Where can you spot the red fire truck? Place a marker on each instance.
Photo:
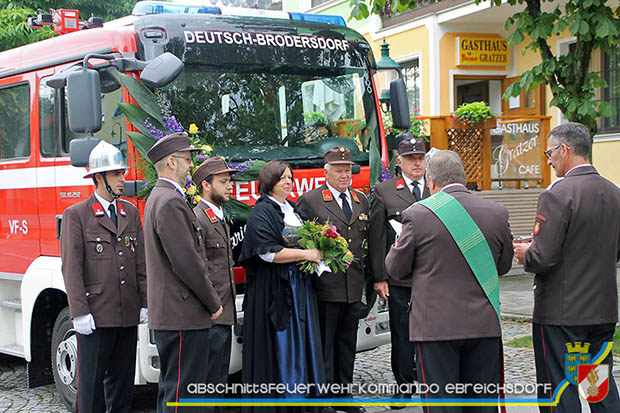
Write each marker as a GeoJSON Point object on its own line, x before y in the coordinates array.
{"type": "Point", "coordinates": [255, 80]}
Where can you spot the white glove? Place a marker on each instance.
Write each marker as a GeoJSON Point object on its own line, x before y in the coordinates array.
{"type": "Point", "coordinates": [144, 315]}
{"type": "Point", "coordinates": [84, 324]}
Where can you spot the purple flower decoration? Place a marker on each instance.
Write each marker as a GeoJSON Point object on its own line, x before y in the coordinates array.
{"type": "Point", "coordinates": [241, 167]}
{"type": "Point", "coordinates": [201, 157]}
{"type": "Point", "coordinates": [385, 173]}
{"type": "Point", "coordinates": [157, 134]}
{"type": "Point", "coordinates": [171, 122]}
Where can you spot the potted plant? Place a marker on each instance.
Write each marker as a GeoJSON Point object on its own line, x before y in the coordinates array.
{"type": "Point", "coordinates": [317, 126]}
{"type": "Point", "coordinates": [476, 115]}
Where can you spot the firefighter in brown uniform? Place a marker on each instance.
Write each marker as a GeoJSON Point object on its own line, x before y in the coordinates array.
{"type": "Point", "coordinates": [574, 253]}
{"type": "Point", "coordinates": [103, 265]}
{"type": "Point", "coordinates": [181, 298]}
{"type": "Point", "coordinates": [214, 184]}
{"type": "Point", "coordinates": [340, 294]}
{"type": "Point", "coordinates": [390, 199]}
{"type": "Point", "coordinates": [454, 319]}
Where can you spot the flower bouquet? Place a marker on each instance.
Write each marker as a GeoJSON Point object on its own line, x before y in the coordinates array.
{"type": "Point", "coordinates": [325, 238]}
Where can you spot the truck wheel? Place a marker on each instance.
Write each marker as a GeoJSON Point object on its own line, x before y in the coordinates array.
{"type": "Point", "coordinates": [65, 358]}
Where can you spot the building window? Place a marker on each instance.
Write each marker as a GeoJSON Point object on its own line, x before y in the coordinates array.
{"type": "Point", "coordinates": [611, 73]}
{"type": "Point", "coordinates": [15, 122]}
{"type": "Point", "coordinates": [411, 73]}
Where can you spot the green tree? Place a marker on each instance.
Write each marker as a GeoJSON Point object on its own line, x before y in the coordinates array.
{"type": "Point", "coordinates": [595, 24]}
{"type": "Point", "coordinates": [14, 30]}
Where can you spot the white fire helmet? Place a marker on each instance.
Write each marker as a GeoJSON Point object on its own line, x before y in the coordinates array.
{"type": "Point", "coordinates": [103, 158]}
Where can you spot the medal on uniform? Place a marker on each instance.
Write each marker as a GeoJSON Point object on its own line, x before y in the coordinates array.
{"type": "Point", "coordinates": [99, 248]}
{"type": "Point", "coordinates": [132, 245]}
{"type": "Point", "coordinates": [126, 241]}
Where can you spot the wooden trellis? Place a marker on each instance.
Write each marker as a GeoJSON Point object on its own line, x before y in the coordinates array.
{"type": "Point", "coordinates": [474, 145]}
{"type": "Point", "coordinates": [468, 143]}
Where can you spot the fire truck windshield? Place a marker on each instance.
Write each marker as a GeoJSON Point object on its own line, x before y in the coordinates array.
{"type": "Point", "coordinates": [267, 88]}
{"type": "Point", "coordinates": [275, 115]}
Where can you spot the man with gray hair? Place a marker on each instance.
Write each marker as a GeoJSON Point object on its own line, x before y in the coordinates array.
{"type": "Point", "coordinates": [574, 253]}
{"type": "Point", "coordinates": [453, 245]}
{"type": "Point", "coordinates": [182, 301]}
{"type": "Point", "coordinates": [390, 199]}
{"type": "Point", "coordinates": [340, 294]}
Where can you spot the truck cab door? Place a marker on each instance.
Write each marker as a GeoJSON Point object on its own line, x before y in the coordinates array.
{"type": "Point", "coordinates": [19, 223]}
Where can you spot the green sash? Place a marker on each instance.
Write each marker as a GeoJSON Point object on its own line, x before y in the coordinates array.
{"type": "Point", "coordinates": [470, 241]}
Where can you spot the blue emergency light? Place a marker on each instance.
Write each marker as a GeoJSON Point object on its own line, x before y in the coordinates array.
{"type": "Point", "coordinates": [158, 7]}
{"type": "Point", "coordinates": [318, 18]}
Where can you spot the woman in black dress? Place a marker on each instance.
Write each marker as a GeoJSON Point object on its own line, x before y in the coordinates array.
{"type": "Point", "coordinates": [281, 335]}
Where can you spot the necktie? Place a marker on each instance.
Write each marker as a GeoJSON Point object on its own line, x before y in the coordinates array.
{"type": "Point", "coordinates": [416, 190]}
{"type": "Point", "coordinates": [222, 223]}
{"type": "Point", "coordinates": [113, 215]}
{"type": "Point", "coordinates": [345, 206]}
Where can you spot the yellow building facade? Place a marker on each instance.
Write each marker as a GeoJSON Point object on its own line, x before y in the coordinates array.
{"type": "Point", "coordinates": [437, 46]}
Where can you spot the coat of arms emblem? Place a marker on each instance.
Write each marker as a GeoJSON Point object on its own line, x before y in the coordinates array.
{"type": "Point", "coordinates": [577, 353]}
{"type": "Point", "coordinates": [593, 381]}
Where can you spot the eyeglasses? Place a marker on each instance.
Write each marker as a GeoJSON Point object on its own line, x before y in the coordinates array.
{"type": "Point", "coordinates": [549, 151]}
{"type": "Point", "coordinates": [187, 158]}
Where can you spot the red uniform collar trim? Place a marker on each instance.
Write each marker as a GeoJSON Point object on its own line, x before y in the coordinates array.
{"type": "Point", "coordinates": [211, 215]}
{"type": "Point", "coordinates": [400, 184]}
{"type": "Point", "coordinates": [121, 210]}
{"type": "Point", "coordinates": [354, 196]}
{"type": "Point", "coordinates": [327, 195]}
{"type": "Point", "coordinates": [98, 209]}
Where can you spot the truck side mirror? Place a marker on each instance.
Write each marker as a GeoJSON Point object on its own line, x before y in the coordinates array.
{"type": "Point", "coordinates": [79, 150]}
{"type": "Point", "coordinates": [161, 70]}
{"type": "Point", "coordinates": [84, 101]}
{"type": "Point", "coordinates": [400, 107]}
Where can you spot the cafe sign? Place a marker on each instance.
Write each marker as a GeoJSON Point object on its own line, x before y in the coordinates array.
{"type": "Point", "coordinates": [482, 51]}
{"type": "Point", "coordinates": [518, 154]}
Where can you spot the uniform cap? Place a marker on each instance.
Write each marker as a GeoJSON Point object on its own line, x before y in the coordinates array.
{"type": "Point", "coordinates": [103, 158]}
{"type": "Point", "coordinates": [212, 166]}
{"type": "Point", "coordinates": [411, 146]}
{"type": "Point", "coordinates": [338, 155]}
{"type": "Point", "coordinates": [169, 144]}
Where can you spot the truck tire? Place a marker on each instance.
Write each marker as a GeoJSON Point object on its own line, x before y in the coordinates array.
{"type": "Point", "coordinates": [64, 359]}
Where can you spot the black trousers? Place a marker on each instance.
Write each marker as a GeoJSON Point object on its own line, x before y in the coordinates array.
{"type": "Point", "coordinates": [442, 364]}
{"type": "Point", "coordinates": [106, 369]}
{"type": "Point", "coordinates": [220, 337]}
{"type": "Point", "coordinates": [183, 357]}
{"type": "Point", "coordinates": [549, 352]}
{"type": "Point", "coordinates": [403, 350]}
{"type": "Point", "coordinates": [339, 337]}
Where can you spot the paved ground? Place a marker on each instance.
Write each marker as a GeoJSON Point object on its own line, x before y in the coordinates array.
{"type": "Point", "coordinates": [371, 366]}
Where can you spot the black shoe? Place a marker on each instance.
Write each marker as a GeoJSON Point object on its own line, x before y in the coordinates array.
{"type": "Point", "coordinates": [352, 409]}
